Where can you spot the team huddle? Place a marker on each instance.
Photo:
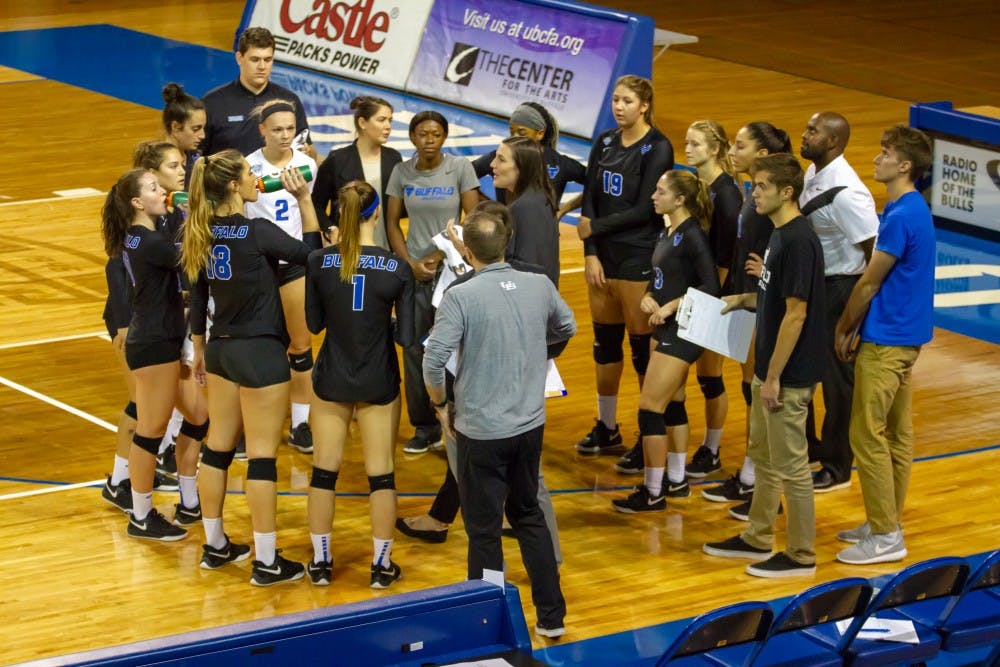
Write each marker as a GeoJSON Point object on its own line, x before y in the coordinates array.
{"type": "Point", "coordinates": [231, 245]}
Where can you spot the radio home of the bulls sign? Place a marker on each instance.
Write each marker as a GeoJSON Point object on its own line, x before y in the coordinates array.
{"type": "Point", "coordinates": [371, 40]}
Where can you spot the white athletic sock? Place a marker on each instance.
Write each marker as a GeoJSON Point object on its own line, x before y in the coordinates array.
{"type": "Point", "coordinates": [173, 430]}
{"type": "Point", "coordinates": [675, 466]}
{"type": "Point", "coordinates": [607, 410]}
{"type": "Point", "coordinates": [383, 552]}
{"type": "Point", "coordinates": [748, 472]}
{"type": "Point", "coordinates": [215, 536]}
{"type": "Point", "coordinates": [321, 547]}
{"type": "Point", "coordinates": [712, 438]}
{"type": "Point", "coordinates": [189, 491]}
{"type": "Point", "coordinates": [120, 471]}
{"type": "Point", "coordinates": [300, 413]}
{"type": "Point", "coordinates": [653, 479]}
{"type": "Point", "coordinates": [142, 504]}
{"type": "Point", "coordinates": [264, 546]}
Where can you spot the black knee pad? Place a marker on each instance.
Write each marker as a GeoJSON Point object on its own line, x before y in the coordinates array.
{"type": "Point", "coordinates": [675, 414]}
{"type": "Point", "coordinates": [131, 410]}
{"type": "Point", "coordinates": [651, 423]}
{"type": "Point", "coordinates": [324, 479]}
{"type": "Point", "coordinates": [608, 343]}
{"type": "Point", "coordinates": [196, 433]}
{"type": "Point", "coordinates": [219, 460]}
{"type": "Point", "coordinates": [382, 482]}
{"type": "Point", "coordinates": [747, 393]}
{"type": "Point", "coordinates": [301, 362]}
{"type": "Point", "coordinates": [265, 470]}
{"type": "Point", "coordinates": [151, 445]}
{"type": "Point", "coordinates": [712, 386]}
{"type": "Point", "coordinates": [640, 352]}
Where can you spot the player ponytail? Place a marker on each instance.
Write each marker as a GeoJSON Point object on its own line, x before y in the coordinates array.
{"type": "Point", "coordinates": [697, 200]}
{"type": "Point", "coordinates": [717, 140]}
{"type": "Point", "coordinates": [210, 181]}
{"type": "Point", "coordinates": [178, 107]}
{"type": "Point", "coordinates": [770, 138]}
{"type": "Point", "coordinates": [357, 198]}
{"type": "Point", "coordinates": [118, 213]}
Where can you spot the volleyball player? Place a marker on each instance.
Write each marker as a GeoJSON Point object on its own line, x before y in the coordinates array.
{"type": "Point", "coordinates": [367, 159]}
{"type": "Point", "coordinates": [619, 228]}
{"type": "Point", "coordinates": [184, 124]}
{"type": "Point", "coordinates": [155, 334]}
{"type": "Point", "coordinates": [244, 362]}
{"type": "Point", "coordinates": [351, 292]}
{"type": "Point", "coordinates": [683, 258]}
{"type": "Point", "coordinates": [277, 126]}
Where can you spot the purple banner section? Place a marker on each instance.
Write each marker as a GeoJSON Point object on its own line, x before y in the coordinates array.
{"type": "Point", "coordinates": [495, 54]}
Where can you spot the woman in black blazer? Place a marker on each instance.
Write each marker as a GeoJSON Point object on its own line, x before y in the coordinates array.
{"type": "Point", "coordinates": [366, 159]}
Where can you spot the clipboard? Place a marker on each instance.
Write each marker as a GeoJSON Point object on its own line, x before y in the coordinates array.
{"type": "Point", "coordinates": [454, 265]}
{"type": "Point", "coordinates": [699, 320]}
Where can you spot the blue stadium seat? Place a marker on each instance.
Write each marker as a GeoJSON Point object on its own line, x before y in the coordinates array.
{"type": "Point", "coordinates": [725, 637]}
{"type": "Point", "coordinates": [788, 645]}
{"type": "Point", "coordinates": [975, 618]}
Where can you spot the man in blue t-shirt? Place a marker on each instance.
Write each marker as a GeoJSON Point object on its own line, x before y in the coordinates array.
{"type": "Point", "coordinates": [897, 290]}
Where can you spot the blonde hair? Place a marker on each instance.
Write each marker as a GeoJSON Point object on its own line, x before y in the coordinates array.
{"type": "Point", "coordinates": [717, 139]}
{"type": "Point", "coordinates": [697, 200]}
{"type": "Point", "coordinates": [210, 181]}
{"type": "Point", "coordinates": [354, 198]}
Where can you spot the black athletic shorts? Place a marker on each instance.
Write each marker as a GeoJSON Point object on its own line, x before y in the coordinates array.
{"type": "Point", "coordinates": [289, 272]}
{"type": "Point", "coordinates": [249, 362]}
{"type": "Point", "coordinates": [140, 355]}
{"type": "Point", "coordinates": [672, 345]}
{"type": "Point", "coordinates": [622, 262]}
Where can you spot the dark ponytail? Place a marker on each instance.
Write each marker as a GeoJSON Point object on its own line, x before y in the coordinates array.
{"type": "Point", "coordinates": [117, 213]}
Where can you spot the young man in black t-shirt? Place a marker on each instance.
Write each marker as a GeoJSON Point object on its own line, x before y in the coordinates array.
{"type": "Point", "coordinates": [791, 336]}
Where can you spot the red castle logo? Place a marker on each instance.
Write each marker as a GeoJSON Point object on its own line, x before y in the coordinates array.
{"type": "Point", "coordinates": [355, 23]}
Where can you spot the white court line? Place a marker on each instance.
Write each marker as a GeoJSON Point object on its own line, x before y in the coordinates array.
{"type": "Point", "coordinates": [52, 489]}
{"type": "Point", "coordinates": [48, 200]}
{"type": "Point", "coordinates": [578, 269]}
{"type": "Point", "coordinates": [43, 341]}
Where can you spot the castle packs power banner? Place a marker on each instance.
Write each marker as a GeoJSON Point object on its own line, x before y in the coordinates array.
{"type": "Point", "coordinates": [371, 40]}
{"type": "Point", "coordinates": [495, 54]}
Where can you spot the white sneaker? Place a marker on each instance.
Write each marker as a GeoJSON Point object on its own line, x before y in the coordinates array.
{"type": "Point", "coordinates": [876, 548]}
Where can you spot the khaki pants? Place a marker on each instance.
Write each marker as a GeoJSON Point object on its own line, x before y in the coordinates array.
{"type": "Point", "coordinates": [780, 453]}
{"type": "Point", "coordinates": [882, 430]}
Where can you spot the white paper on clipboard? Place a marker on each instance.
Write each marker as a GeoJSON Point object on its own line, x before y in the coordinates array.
{"type": "Point", "coordinates": [699, 320]}
{"type": "Point", "coordinates": [454, 265]}
{"type": "Point", "coordinates": [554, 387]}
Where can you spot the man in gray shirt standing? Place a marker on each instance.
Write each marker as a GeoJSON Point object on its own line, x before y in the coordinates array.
{"type": "Point", "coordinates": [500, 321]}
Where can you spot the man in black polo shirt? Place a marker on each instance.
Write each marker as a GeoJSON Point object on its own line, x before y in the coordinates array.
{"type": "Point", "coordinates": [228, 107]}
{"type": "Point", "coordinates": [791, 336]}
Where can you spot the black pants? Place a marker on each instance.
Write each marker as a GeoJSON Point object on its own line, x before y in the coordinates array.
{"type": "Point", "coordinates": [446, 502]}
{"type": "Point", "coordinates": [418, 403]}
{"type": "Point", "coordinates": [490, 473]}
{"type": "Point", "coordinates": [838, 386]}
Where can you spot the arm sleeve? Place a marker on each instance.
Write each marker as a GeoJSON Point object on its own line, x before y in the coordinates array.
{"type": "Point", "coordinates": [796, 264]}
{"type": "Point", "coordinates": [589, 204]}
{"type": "Point", "coordinates": [119, 293]}
{"type": "Point", "coordinates": [394, 188]}
{"type": "Point", "coordinates": [573, 171]}
{"type": "Point", "coordinates": [891, 237]}
{"type": "Point", "coordinates": [274, 242]}
{"type": "Point", "coordinates": [199, 305]}
{"type": "Point", "coordinates": [725, 219]}
{"type": "Point", "coordinates": [704, 265]}
{"type": "Point", "coordinates": [854, 212]}
{"type": "Point", "coordinates": [315, 313]}
{"type": "Point", "coordinates": [444, 339]}
{"type": "Point", "coordinates": [481, 165]}
{"type": "Point", "coordinates": [654, 163]}
{"type": "Point", "coordinates": [562, 324]}
{"type": "Point", "coordinates": [324, 193]}
{"type": "Point", "coordinates": [467, 179]}
{"type": "Point", "coordinates": [405, 319]}
{"type": "Point", "coordinates": [165, 253]}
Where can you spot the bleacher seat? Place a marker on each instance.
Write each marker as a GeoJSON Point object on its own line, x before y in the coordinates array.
{"type": "Point", "coordinates": [729, 636]}
{"type": "Point", "coordinates": [975, 618]}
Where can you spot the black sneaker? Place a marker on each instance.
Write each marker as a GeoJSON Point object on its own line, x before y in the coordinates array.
{"type": "Point", "coordinates": [163, 482]}
{"type": "Point", "coordinates": [640, 501]}
{"type": "Point", "coordinates": [240, 453]}
{"type": "Point", "coordinates": [301, 438]}
{"type": "Point", "coordinates": [279, 571]}
{"type": "Point", "coordinates": [742, 511]}
{"type": "Point", "coordinates": [703, 463]}
{"type": "Point", "coordinates": [186, 516]}
{"type": "Point", "coordinates": [382, 577]}
{"type": "Point", "coordinates": [166, 463]}
{"type": "Point", "coordinates": [679, 490]}
{"type": "Point", "coordinates": [632, 462]}
{"type": "Point", "coordinates": [154, 527]}
{"type": "Point", "coordinates": [321, 573]}
{"type": "Point", "coordinates": [119, 495]}
{"type": "Point", "coordinates": [422, 441]}
{"type": "Point", "coordinates": [731, 490]}
{"type": "Point", "coordinates": [213, 559]}
{"type": "Point", "coordinates": [735, 547]}
{"type": "Point", "coordinates": [780, 565]}
{"type": "Point", "coordinates": [601, 440]}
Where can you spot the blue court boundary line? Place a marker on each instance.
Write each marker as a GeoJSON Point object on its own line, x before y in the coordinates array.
{"type": "Point", "coordinates": [427, 494]}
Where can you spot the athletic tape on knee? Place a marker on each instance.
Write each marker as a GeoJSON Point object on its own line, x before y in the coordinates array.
{"type": "Point", "coordinates": [747, 393]}
{"type": "Point", "coordinates": [219, 460]}
{"type": "Point", "coordinates": [131, 411]}
{"type": "Point", "coordinates": [196, 433]}
{"type": "Point", "coordinates": [265, 470]}
{"type": "Point", "coordinates": [151, 445]}
{"type": "Point", "coordinates": [640, 352]}
{"type": "Point", "coordinates": [608, 343]}
{"type": "Point", "coordinates": [324, 479]}
{"type": "Point", "coordinates": [712, 386]}
{"type": "Point", "coordinates": [675, 414]}
{"type": "Point", "coordinates": [382, 482]}
{"type": "Point", "coordinates": [651, 423]}
{"type": "Point", "coordinates": [301, 362]}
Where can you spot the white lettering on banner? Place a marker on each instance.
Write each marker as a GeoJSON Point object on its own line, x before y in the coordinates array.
{"type": "Point", "coordinates": [966, 185]}
{"type": "Point", "coordinates": [515, 29]}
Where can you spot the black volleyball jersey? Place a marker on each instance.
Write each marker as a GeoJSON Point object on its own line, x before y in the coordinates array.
{"type": "Point", "coordinates": [118, 306]}
{"type": "Point", "coordinates": [242, 274]}
{"type": "Point", "coordinates": [619, 186]}
{"type": "Point", "coordinates": [150, 258]}
{"type": "Point", "coordinates": [560, 168]}
{"type": "Point", "coordinates": [753, 230]}
{"type": "Point", "coordinates": [682, 259]}
{"type": "Point", "coordinates": [357, 362]}
{"type": "Point", "coordinates": [726, 202]}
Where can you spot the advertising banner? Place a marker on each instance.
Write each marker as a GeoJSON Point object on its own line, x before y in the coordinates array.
{"type": "Point", "coordinates": [966, 184]}
{"type": "Point", "coordinates": [371, 40]}
{"type": "Point", "coordinates": [495, 54]}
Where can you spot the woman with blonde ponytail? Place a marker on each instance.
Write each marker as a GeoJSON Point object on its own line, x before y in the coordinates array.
{"type": "Point", "coordinates": [243, 363]}
{"type": "Point", "coordinates": [351, 290]}
{"type": "Point", "coordinates": [682, 259]}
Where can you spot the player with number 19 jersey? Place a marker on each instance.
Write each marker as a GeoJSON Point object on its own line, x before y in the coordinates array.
{"type": "Point", "coordinates": [357, 362]}
{"type": "Point", "coordinates": [279, 207]}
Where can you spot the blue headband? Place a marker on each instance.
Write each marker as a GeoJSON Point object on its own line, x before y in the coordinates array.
{"type": "Point", "coordinates": [367, 212]}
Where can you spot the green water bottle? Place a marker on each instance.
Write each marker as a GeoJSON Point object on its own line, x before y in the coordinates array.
{"type": "Point", "coordinates": [177, 198]}
{"type": "Point", "coordinates": [273, 183]}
